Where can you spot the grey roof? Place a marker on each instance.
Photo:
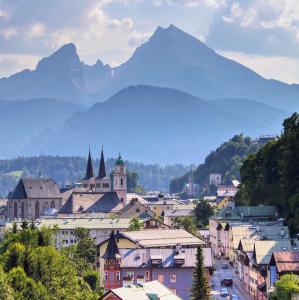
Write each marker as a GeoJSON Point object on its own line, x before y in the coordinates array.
{"type": "Point", "coordinates": [85, 201]}
{"type": "Point", "coordinates": [178, 212]}
{"type": "Point", "coordinates": [141, 257]}
{"type": "Point", "coordinates": [35, 188]}
{"type": "Point", "coordinates": [107, 203]}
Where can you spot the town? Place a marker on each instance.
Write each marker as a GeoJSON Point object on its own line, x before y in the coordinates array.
{"type": "Point", "coordinates": [146, 244]}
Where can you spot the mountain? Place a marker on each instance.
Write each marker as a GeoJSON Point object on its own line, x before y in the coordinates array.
{"type": "Point", "coordinates": [152, 124]}
{"type": "Point", "coordinates": [20, 121]}
{"type": "Point", "coordinates": [171, 58]}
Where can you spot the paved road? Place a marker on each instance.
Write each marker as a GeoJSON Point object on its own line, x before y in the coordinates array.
{"type": "Point", "coordinates": [220, 274]}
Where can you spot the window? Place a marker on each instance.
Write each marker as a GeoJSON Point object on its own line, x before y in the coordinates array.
{"type": "Point", "coordinates": [98, 185]}
{"type": "Point", "coordinates": [130, 274]}
{"type": "Point", "coordinates": [121, 182]}
{"type": "Point", "coordinates": [36, 210]}
{"type": "Point", "coordinates": [106, 276]}
{"type": "Point", "coordinates": [172, 278]}
{"type": "Point", "coordinates": [174, 291]}
{"type": "Point", "coordinates": [117, 275]}
{"type": "Point", "coordinates": [147, 275]}
{"type": "Point", "coordinates": [111, 276]}
{"type": "Point", "coordinates": [22, 210]}
{"type": "Point", "coordinates": [52, 204]}
{"type": "Point", "coordinates": [161, 278]}
{"type": "Point", "coordinates": [15, 211]}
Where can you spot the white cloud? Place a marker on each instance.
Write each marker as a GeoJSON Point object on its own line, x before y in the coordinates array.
{"type": "Point", "coordinates": [192, 3]}
{"type": "Point", "coordinates": [36, 30]}
{"type": "Point", "coordinates": [271, 67]}
{"type": "Point", "coordinates": [266, 14]}
{"type": "Point", "coordinates": [12, 63]}
{"type": "Point", "coordinates": [9, 32]}
{"type": "Point", "coordinates": [3, 14]}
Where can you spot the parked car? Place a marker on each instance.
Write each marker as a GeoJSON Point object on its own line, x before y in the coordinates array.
{"type": "Point", "coordinates": [224, 292]}
{"type": "Point", "coordinates": [224, 266]}
{"type": "Point", "coordinates": [227, 282]}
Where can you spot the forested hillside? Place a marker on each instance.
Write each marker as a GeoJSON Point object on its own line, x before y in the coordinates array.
{"type": "Point", "coordinates": [271, 176]}
{"type": "Point", "coordinates": [70, 169]}
{"type": "Point", "coordinates": [225, 160]}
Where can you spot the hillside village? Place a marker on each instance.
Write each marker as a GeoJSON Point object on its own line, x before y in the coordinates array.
{"type": "Point", "coordinates": [143, 240]}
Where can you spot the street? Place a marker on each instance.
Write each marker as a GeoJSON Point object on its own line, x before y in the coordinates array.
{"type": "Point", "coordinates": [220, 274]}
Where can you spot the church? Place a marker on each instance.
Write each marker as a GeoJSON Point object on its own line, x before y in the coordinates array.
{"type": "Point", "coordinates": [99, 194]}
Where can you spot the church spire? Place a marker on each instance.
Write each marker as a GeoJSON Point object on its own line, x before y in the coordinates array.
{"type": "Point", "coordinates": [112, 251]}
{"type": "Point", "coordinates": [102, 169]}
{"type": "Point", "coordinates": [89, 168]}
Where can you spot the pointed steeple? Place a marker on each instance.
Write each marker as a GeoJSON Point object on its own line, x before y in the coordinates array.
{"type": "Point", "coordinates": [112, 251]}
{"type": "Point", "coordinates": [102, 169]}
{"type": "Point", "coordinates": [89, 168]}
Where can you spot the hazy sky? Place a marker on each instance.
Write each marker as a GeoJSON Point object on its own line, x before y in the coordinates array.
{"type": "Point", "coordinates": [262, 34]}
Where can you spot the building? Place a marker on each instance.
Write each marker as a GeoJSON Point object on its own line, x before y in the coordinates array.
{"type": "Point", "coordinates": [226, 191]}
{"type": "Point", "coordinates": [238, 215]}
{"type": "Point", "coordinates": [225, 202]}
{"type": "Point", "coordinates": [215, 179]}
{"type": "Point", "coordinates": [98, 194]}
{"type": "Point", "coordinates": [151, 238]}
{"type": "Point", "coordinates": [282, 262]}
{"type": "Point", "coordinates": [172, 266]}
{"type": "Point", "coordinates": [191, 189]}
{"type": "Point", "coordinates": [171, 215]}
{"type": "Point", "coordinates": [3, 210]}
{"type": "Point", "coordinates": [33, 198]}
{"type": "Point", "coordinates": [145, 291]}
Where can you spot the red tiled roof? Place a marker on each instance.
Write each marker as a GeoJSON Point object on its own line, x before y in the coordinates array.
{"type": "Point", "coordinates": [287, 261]}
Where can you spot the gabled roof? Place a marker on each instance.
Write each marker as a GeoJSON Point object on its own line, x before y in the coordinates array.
{"type": "Point", "coordinates": [107, 203]}
{"type": "Point", "coordinates": [35, 188]}
{"type": "Point", "coordinates": [112, 251]}
{"type": "Point", "coordinates": [163, 238]}
{"type": "Point", "coordinates": [286, 261]}
{"type": "Point", "coordinates": [135, 209]}
{"type": "Point", "coordinates": [263, 250]}
{"type": "Point", "coordinates": [147, 291]}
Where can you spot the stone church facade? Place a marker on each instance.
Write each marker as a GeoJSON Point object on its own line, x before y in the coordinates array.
{"type": "Point", "coordinates": [32, 198]}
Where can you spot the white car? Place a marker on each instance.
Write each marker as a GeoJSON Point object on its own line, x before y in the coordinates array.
{"type": "Point", "coordinates": [224, 292]}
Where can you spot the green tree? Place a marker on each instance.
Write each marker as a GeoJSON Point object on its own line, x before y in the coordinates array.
{"type": "Point", "coordinates": [25, 288]}
{"type": "Point", "coordinates": [187, 223]}
{"type": "Point", "coordinates": [85, 247]}
{"type": "Point", "coordinates": [92, 278]}
{"type": "Point", "coordinates": [134, 225]}
{"type": "Point", "coordinates": [14, 256]}
{"type": "Point", "coordinates": [285, 286]}
{"type": "Point", "coordinates": [6, 292]}
{"type": "Point", "coordinates": [200, 287]}
{"type": "Point", "coordinates": [202, 212]}
{"type": "Point", "coordinates": [24, 224]}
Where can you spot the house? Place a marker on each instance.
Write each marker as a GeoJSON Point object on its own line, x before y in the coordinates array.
{"type": "Point", "coordinates": [282, 262]}
{"type": "Point", "coordinates": [261, 257]}
{"type": "Point", "coordinates": [226, 191]}
{"type": "Point", "coordinates": [171, 215]}
{"type": "Point", "coordinates": [172, 266]}
{"type": "Point", "coordinates": [225, 202]}
{"type": "Point", "coordinates": [151, 238]}
{"type": "Point", "coordinates": [32, 198]}
{"type": "Point", "coordinates": [143, 291]}
{"type": "Point", "coordinates": [215, 179]}
{"type": "Point", "coordinates": [237, 215]}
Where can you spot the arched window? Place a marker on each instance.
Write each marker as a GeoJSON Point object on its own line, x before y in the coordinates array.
{"type": "Point", "coordinates": [15, 210]}
{"type": "Point", "coordinates": [52, 204]}
{"type": "Point", "coordinates": [22, 210]}
{"type": "Point", "coordinates": [121, 182]}
{"type": "Point", "coordinates": [36, 210]}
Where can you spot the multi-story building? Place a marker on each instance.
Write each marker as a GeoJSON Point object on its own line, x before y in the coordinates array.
{"type": "Point", "coordinates": [147, 239]}
{"type": "Point", "coordinates": [172, 267]}
{"type": "Point", "coordinates": [215, 179]}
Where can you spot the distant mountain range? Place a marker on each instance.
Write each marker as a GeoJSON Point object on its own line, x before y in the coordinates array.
{"type": "Point", "coordinates": [155, 110]}
{"type": "Point", "coordinates": [151, 124]}
{"type": "Point", "coordinates": [171, 58]}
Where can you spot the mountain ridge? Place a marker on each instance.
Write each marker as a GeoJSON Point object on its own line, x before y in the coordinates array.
{"type": "Point", "coordinates": [170, 58]}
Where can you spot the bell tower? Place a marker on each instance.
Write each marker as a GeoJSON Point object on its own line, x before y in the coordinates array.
{"type": "Point", "coordinates": [112, 261]}
{"type": "Point", "coordinates": [120, 180]}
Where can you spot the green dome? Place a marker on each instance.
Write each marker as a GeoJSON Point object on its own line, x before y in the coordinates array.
{"type": "Point", "coordinates": [119, 161]}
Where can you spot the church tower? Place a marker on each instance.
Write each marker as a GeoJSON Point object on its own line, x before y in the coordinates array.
{"type": "Point", "coordinates": [112, 261]}
{"type": "Point", "coordinates": [103, 182]}
{"type": "Point", "coordinates": [88, 180]}
{"type": "Point", "coordinates": [120, 180]}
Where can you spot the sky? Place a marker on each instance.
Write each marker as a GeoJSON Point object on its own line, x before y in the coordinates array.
{"type": "Point", "coordinates": [261, 34]}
